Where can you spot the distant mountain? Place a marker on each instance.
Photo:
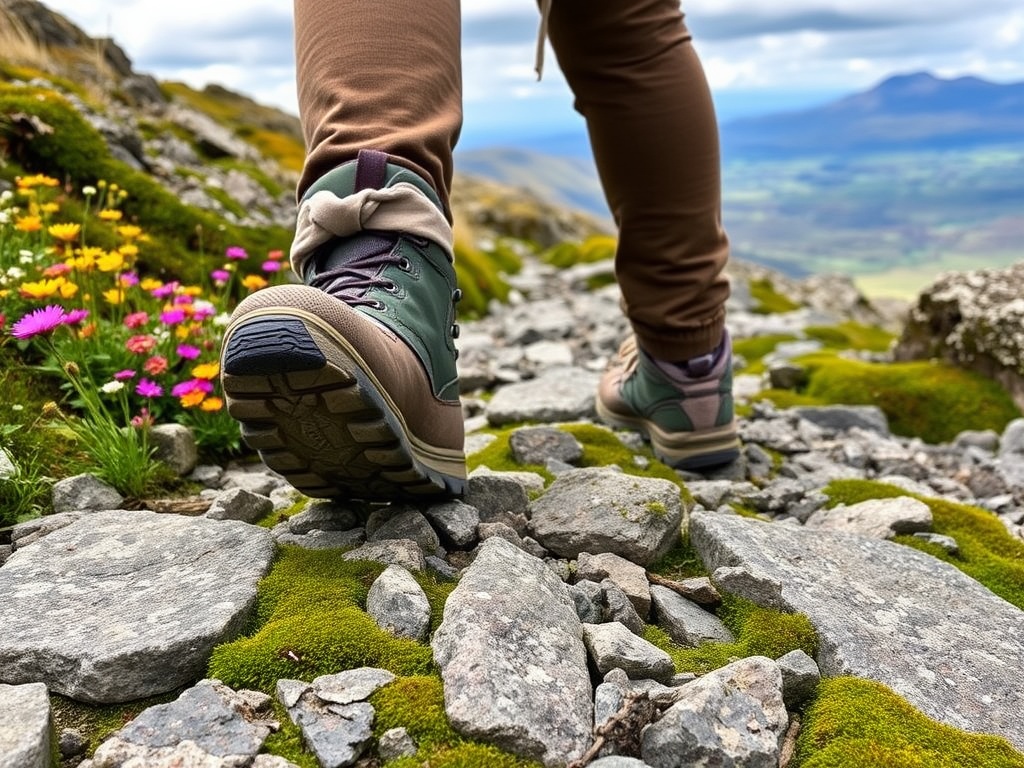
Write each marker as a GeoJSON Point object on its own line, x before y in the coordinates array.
{"type": "Point", "coordinates": [906, 112]}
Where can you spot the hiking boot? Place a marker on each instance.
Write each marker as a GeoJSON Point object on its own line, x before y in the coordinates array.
{"type": "Point", "coordinates": [686, 411]}
{"type": "Point", "coordinates": [347, 385]}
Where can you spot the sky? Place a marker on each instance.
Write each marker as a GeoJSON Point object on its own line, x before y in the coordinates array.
{"type": "Point", "coordinates": [760, 56]}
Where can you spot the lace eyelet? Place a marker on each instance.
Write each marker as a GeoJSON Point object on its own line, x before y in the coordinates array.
{"type": "Point", "coordinates": [379, 306]}
{"type": "Point", "coordinates": [405, 265]}
{"type": "Point", "coordinates": [391, 287]}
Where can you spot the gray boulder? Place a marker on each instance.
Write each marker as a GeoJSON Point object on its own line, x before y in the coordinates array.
{"type": "Point", "coordinates": [239, 504]}
{"type": "Point", "coordinates": [403, 552]}
{"type": "Point", "coordinates": [84, 493]}
{"type": "Point", "coordinates": [455, 522]}
{"type": "Point", "coordinates": [564, 394]}
{"type": "Point", "coordinates": [614, 646]}
{"type": "Point", "coordinates": [877, 518]}
{"type": "Point", "coordinates": [398, 604]}
{"type": "Point", "coordinates": [800, 678]}
{"type": "Point", "coordinates": [686, 622]}
{"type": "Point", "coordinates": [25, 726]}
{"type": "Point", "coordinates": [176, 447]}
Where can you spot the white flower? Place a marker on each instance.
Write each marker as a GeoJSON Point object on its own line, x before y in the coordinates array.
{"type": "Point", "coordinates": [15, 273]}
{"type": "Point", "coordinates": [5, 217]}
{"type": "Point", "coordinates": [112, 387]}
{"type": "Point", "coordinates": [88, 191]}
{"type": "Point", "coordinates": [222, 320]}
{"type": "Point", "coordinates": [6, 196]}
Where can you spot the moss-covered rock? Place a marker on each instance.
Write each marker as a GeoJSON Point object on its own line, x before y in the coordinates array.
{"type": "Point", "coordinates": [857, 723]}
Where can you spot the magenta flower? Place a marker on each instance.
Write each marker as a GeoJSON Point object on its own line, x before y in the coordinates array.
{"type": "Point", "coordinates": [236, 252]}
{"type": "Point", "coordinates": [76, 316]}
{"type": "Point", "coordinates": [124, 375]}
{"type": "Point", "coordinates": [38, 322]}
{"type": "Point", "coordinates": [192, 385]}
{"type": "Point", "coordinates": [165, 290]}
{"type": "Point", "coordinates": [183, 299]}
{"type": "Point", "coordinates": [128, 279]}
{"type": "Point", "coordinates": [220, 276]}
{"type": "Point", "coordinates": [136, 319]}
{"type": "Point", "coordinates": [147, 388]}
{"type": "Point", "coordinates": [172, 316]}
{"type": "Point", "coordinates": [203, 312]}
{"type": "Point", "coordinates": [188, 352]}
{"type": "Point", "coordinates": [271, 266]}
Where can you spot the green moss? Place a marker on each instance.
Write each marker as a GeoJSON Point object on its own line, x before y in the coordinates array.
{"type": "Point", "coordinates": [758, 631]}
{"type": "Point", "coordinates": [309, 623]}
{"type": "Point", "coordinates": [417, 704]}
{"type": "Point", "coordinates": [988, 553]}
{"type": "Point", "coordinates": [97, 721]}
{"type": "Point", "coordinates": [858, 723]}
{"type": "Point", "coordinates": [768, 300]}
{"type": "Point", "coordinates": [479, 277]}
{"type": "Point", "coordinates": [754, 349]}
{"type": "Point", "coordinates": [681, 562]}
{"type": "Point", "coordinates": [851, 335]}
{"type": "Point", "coordinates": [656, 508]}
{"type": "Point", "coordinates": [594, 248]}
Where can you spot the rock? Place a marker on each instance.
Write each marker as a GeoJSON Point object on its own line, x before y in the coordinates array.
{"type": "Point", "coordinates": [323, 539]}
{"type": "Point", "coordinates": [617, 761]}
{"type": "Point", "coordinates": [455, 522]}
{"type": "Point", "coordinates": [588, 597]}
{"type": "Point", "coordinates": [72, 743]}
{"type": "Point", "coordinates": [401, 552]}
{"type": "Point", "coordinates": [602, 510]}
{"type": "Point", "coordinates": [840, 418]}
{"type": "Point", "coordinates": [395, 743]}
{"type": "Point", "coordinates": [162, 590]}
{"type": "Point", "coordinates": [697, 589]}
{"type": "Point", "coordinates": [337, 734]}
{"type": "Point", "coordinates": [948, 543]}
{"type": "Point", "coordinates": [530, 481]}
{"type": "Point", "coordinates": [787, 375]}
{"type": "Point", "coordinates": [207, 724]}
{"type": "Point", "coordinates": [535, 445]}
{"type": "Point", "coordinates": [398, 604]}
{"type": "Point", "coordinates": [613, 646]}
{"type": "Point", "coordinates": [506, 532]}
{"type": "Point", "coordinates": [972, 319]}
{"type": "Point", "coordinates": [1011, 454]}
{"type": "Point", "coordinates": [30, 531]}
{"type": "Point", "coordinates": [496, 496]}
{"type": "Point", "coordinates": [617, 607]}
{"type": "Point", "coordinates": [175, 445]}
{"type": "Point", "coordinates": [25, 726]}
{"type": "Point", "coordinates": [885, 612]}
{"type": "Point", "coordinates": [350, 686]}
{"type": "Point", "coordinates": [687, 623]}
{"type": "Point", "coordinates": [512, 658]}
{"type": "Point", "coordinates": [877, 518]}
{"type": "Point", "coordinates": [7, 467]}
{"type": "Point", "coordinates": [630, 577]}
{"type": "Point", "coordinates": [239, 504]}
{"type": "Point", "coordinates": [986, 440]}
{"type": "Point", "coordinates": [260, 483]}
{"type": "Point", "coordinates": [608, 698]}
{"type": "Point", "coordinates": [409, 524]}
{"type": "Point", "coordinates": [564, 394]}
{"type": "Point", "coordinates": [800, 678]}
{"type": "Point", "coordinates": [732, 716]}
{"type": "Point", "coordinates": [84, 493]}
{"type": "Point", "coordinates": [323, 515]}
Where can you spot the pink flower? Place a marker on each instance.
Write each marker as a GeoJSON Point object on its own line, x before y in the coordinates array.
{"type": "Point", "coordinates": [203, 312]}
{"type": "Point", "coordinates": [128, 279]}
{"type": "Point", "coordinates": [275, 255]}
{"type": "Point", "coordinates": [183, 299]}
{"type": "Point", "coordinates": [147, 388]}
{"type": "Point", "coordinates": [38, 322]}
{"type": "Point", "coordinates": [172, 316]}
{"type": "Point", "coordinates": [165, 290]}
{"type": "Point", "coordinates": [124, 375]}
{"type": "Point", "coordinates": [188, 352]}
{"type": "Point", "coordinates": [140, 345]}
{"type": "Point", "coordinates": [136, 319]}
{"type": "Point", "coordinates": [144, 419]}
{"type": "Point", "coordinates": [76, 316]}
{"type": "Point", "coordinates": [192, 385]}
{"type": "Point", "coordinates": [236, 252]}
{"type": "Point", "coordinates": [156, 365]}
{"type": "Point", "coordinates": [271, 266]}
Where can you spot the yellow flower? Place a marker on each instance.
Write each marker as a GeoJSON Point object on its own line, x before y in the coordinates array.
{"type": "Point", "coordinates": [36, 180]}
{"type": "Point", "coordinates": [67, 233]}
{"type": "Point", "coordinates": [44, 289]}
{"type": "Point", "coordinates": [111, 261]}
{"type": "Point", "coordinates": [110, 214]}
{"type": "Point", "coordinates": [67, 289]}
{"type": "Point", "coordinates": [150, 284]}
{"type": "Point", "coordinates": [206, 371]}
{"type": "Point", "coordinates": [129, 231]}
{"type": "Point", "coordinates": [254, 282]}
{"type": "Point", "coordinates": [190, 399]}
{"type": "Point", "coordinates": [129, 250]}
{"type": "Point", "coordinates": [212, 404]}
{"type": "Point", "coordinates": [85, 260]}
{"type": "Point", "coordinates": [190, 290]}
{"type": "Point", "coordinates": [49, 207]}
{"type": "Point", "coordinates": [182, 332]}
{"type": "Point", "coordinates": [114, 296]}
{"type": "Point", "coordinates": [28, 224]}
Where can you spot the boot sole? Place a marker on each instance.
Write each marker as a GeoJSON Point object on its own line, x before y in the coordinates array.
{"type": "Point", "coordinates": [317, 415]}
{"type": "Point", "coordinates": [681, 450]}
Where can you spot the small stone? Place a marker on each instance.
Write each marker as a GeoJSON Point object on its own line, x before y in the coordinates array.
{"type": "Point", "coordinates": [618, 761]}
{"type": "Point", "coordinates": [561, 395]}
{"type": "Point", "coordinates": [588, 597]}
{"type": "Point", "coordinates": [800, 678]}
{"type": "Point", "coordinates": [323, 515]}
{"type": "Point", "coordinates": [840, 418]}
{"type": "Point", "coordinates": [699, 590]}
{"type": "Point", "coordinates": [350, 686]}
{"type": "Point", "coordinates": [455, 522]}
{"type": "Point", "coordinates": [496, 495]}
{"type": "Point", "coordinates": [290, 691]}
{"type": "Point", "coordinates": [412, 525]}
{"type": "Point", "coordinates": [72, 743]}
{"type": "Point", "coordinates": [239, 504]}
{"type": "Point", "coordinates": [84, 493]}
{"type": "Point", "coordinates": [787, 375]}
{"type": "Point", "coordinates": [876, 518]}
{"type": "Point", "coordinates": [536, 445]}
{"type": "Point", "coordinates": [948, 543]}
{"type": "Point", "coordinates": [398, 604]}
{"type": "Point", "coordinates": [337, 734]}
{"type": "Point", "coordinates": [395, 743]}
{"type": "Point", "coordinates": [175, 445]}
{"type": "Point", "coordinates": [502, 531]}
{"type": "Point", "coordinates": [322, 539]}
{"type": "Point", "coordinates": [617, 607]}
{"type": "Point", "coordinates": [630, 577]}
{"type": "Point", "coordinates": [401, 552]}
{"type": "Point", "coordinates": [687, 623]}
{"type": "Point", "coordinates": [613, 645]}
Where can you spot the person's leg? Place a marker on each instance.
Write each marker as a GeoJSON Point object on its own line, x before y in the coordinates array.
{"type": "Point", "coordinates": [640, 86]}
{"type": "Point", "coordinates": [347, 385]}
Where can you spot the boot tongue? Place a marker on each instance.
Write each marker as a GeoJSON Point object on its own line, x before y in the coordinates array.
{"type": "Point", "coordinates": [351, 249]}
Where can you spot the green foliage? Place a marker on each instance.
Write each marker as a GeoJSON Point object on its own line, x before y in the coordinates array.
{"type": "Point", "coordinates": [755, 348]}
{"type": "Point", "coordinates": [309, 623]}
{"type": "Point", "coordinates": [594, 248]}
{"type": "Point", "coordinates": [480, 279]}
{"type": "Point", "coordinates": [988, 553]}
{"type": "Point", "coordinates": [768, 300]}
{"type": "Point", "coordinates": [851, 335]}
{"type": "Point", "coordinates": [857, 723]}
{"type": "Point", "coordinates": [759, 632]}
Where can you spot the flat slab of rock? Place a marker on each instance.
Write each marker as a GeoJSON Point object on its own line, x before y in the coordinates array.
{"type": "Point", "coordinates": [122, 605]}
{"type": "Point", "coordinates": [877, 518]}
{"type": "Point", "coordinates": [564, 394]}
{"type": "Point", "coordinates": [884, 612]}
{"type": "Point", "coordinates": [600, 509]}
{"type": "Point", "coordinates": [511, 654]}
{"type": "Point", "coordinates": [24, 726]}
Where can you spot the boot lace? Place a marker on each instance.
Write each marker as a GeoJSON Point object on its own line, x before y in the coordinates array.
{"type": "Point", "coordinates": [349, 271]}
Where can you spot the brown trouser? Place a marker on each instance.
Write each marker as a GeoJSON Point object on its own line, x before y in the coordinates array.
{"type": "Point", "coordinates": [386, 75]}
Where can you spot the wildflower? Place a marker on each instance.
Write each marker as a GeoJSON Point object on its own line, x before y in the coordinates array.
{"type": "Point", "coordinates": [254, 282]}
{"type": "Point", "coordinates": [211, 404]}
{"type": "Point", "coordinates": [50, 410]}
{"type": "Point", "coordinates": [271, 266]}
{"type": "Point", "coordinates": [124, 375]}
{"type": "Point", "coordinates": [76, 316]}
{"type": "Point", "coordinates": [110, 214]}
{"type": "Point", "coordinates": [36, 180]}
{"type": "Point", "coordinates": [15, 273]}
{"type": "Point", "coordinates": [183, 299]}
{"type": "Point", "coordinates": [147, 388]}
{"type": "Point", "coordinates": [222, 320]}
{"type": "Point", "coordinates": [71, 368]}
{"type": "Point", "coordinates": [114, 296]}
{"type": "Point", "coordinates": [88, 191]}
{"type": "Point", "coordinates": [86, 259]}
{"type": "Point", "coordinates": [192, 392]}
{"type": "Point", "coordinates": [203, 311]}
{"type": "Point", "coordinates": [150, 284]}
{"type": "Point", "coordinates": [28, 224]}
{"type": "Point", "coordinates": [206, 371]}
{"type": "Point", "coordinates": [188, 352]}
{"type": "Point", "coordinates": [140, 345]}
{"type": "Point", "coordinates": [164, 290]}
{"type": "Point", "coordinates": [57, 270]}
{"type": "Point", "coordinates": [129, 231]}
{"type": "Point", "coordinates": [143, 419]}
{"type": "Point", "coordinates": [66, 233]}
{"type": "Point", "coordinates": [112, 387]}
{"type": "Point", "coordinates": [26, 256]}
{"type": "Point", "coordinates": [220, 277]}
{"type": "Point", "coordinates": [43, 289]}
{"type": "Point", "coordinates": [66, 289]}
{"type": "Point", "coordinates": [192, 290]}
{"type": "Point", "coordinates": [275, 255]}
{"type": "Point", "coordinates": [236, 253]}
{"type": "Point", "coordinates": [128, 250]}
{"type": "Point", "coordinates": [128, 279]}
{"type": "Point", "coordinates": [111, 261]}
{"type": "Point", "coordinates": [172, 316]}
{"type": "Point", "coordinates": [49, 207]}
{"type": "Point", "coordinates": [38, 322]}
{"type": "Point", "coordinates": [156, 365]}
{"type": "Point", "coordinates": [135, 319]}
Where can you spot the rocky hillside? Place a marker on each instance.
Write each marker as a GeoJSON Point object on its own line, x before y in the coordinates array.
{"type": "Point", "coordinates": [847, 594]}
